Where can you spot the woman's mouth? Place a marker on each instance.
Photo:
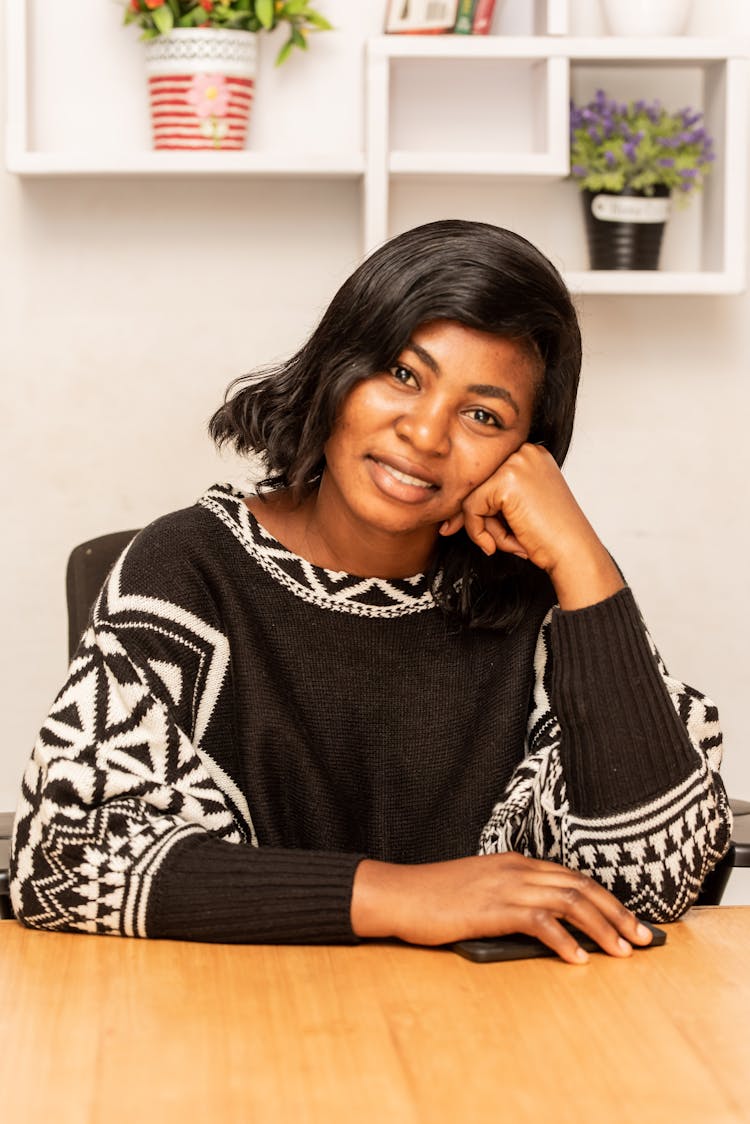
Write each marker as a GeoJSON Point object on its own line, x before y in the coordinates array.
{"type": "Point", "coordinates": [399, 484]}
{"type": "Point", "coordinates": [404, 477]}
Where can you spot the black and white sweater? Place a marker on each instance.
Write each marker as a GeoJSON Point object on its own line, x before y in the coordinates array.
{"type": "Point", "coordinates": [239, 728]}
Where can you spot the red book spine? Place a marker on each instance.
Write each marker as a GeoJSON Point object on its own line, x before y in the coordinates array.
{"type": "Point", "coordinates": [483, 14]}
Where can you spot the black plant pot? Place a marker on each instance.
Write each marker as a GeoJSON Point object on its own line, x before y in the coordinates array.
{"type": "Point", "coordinates": [625, 229]}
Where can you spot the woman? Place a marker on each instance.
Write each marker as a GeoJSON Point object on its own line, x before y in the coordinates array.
{"type": "Point", "coordinates": [298, 715]}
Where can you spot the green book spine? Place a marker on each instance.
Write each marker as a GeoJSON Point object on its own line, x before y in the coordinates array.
{"type": "Point", "coordinates": [465, 18]}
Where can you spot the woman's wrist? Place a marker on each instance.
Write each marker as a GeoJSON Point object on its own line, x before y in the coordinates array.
{"type": "Point", "coordinates": [586, 578]}
{"type": "Point", "coordinates": [376, 891]}
{"type": "Point", "coordinates": [370, 893]}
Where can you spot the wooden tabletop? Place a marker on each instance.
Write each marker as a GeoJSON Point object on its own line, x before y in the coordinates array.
{"type": "Point", "coordinates": [107, 1029]}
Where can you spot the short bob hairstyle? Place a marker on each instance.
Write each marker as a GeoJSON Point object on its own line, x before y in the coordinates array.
{"type": "Point", "coordinates": [479, 275]}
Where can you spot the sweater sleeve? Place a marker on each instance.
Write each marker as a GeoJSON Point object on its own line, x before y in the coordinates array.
{"type": "Point", "coordinates": [620, 777]}
{"type": "Point", "coordinates": [127, 824]}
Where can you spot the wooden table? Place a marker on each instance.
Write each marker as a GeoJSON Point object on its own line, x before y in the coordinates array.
{"type": "Point", "coordinates": [104, 1029]}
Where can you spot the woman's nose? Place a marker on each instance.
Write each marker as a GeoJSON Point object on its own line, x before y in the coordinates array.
{"type": "Point", "coordinates": [425, 426]}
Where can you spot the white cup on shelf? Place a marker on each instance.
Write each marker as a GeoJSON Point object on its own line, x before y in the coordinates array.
{"type": "Point", "coordinates": [646, 17]}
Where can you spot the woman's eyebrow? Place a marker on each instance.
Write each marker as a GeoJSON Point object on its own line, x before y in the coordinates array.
{"type": "Point", "coordinates": [425, 356]}
{"type": "Point", "coordinates": [487, 390]}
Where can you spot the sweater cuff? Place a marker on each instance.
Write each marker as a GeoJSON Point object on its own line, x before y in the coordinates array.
{"type": "Point", "coordinates": [211, 890]}
{"type": "Point", "coordinates": [622, 741]}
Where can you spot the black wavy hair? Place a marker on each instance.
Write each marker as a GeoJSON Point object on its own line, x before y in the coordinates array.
{"type": "Point", "coordinates": [479, 275]}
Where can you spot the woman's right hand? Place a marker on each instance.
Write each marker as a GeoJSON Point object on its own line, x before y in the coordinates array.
{"type": "Point", "coordinates": [489, 896]}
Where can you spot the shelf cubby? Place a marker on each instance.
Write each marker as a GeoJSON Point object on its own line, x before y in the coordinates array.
{"type": "Point", "coordinates": [430, 125]}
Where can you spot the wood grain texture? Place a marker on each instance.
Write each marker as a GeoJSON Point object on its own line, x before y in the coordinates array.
{"type": "Point", "coordinates": [103, 1029]}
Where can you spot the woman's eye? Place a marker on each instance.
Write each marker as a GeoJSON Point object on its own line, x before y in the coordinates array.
{"type": "Point", "coordinates": [484, 417]}
{"type": "Point", "coordinates": [404, 375]}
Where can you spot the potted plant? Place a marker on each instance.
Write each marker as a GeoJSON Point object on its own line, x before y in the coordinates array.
{"type": "Point", "coordinates": [628, 159]}
{"type": "Point", "coordinates": [201, 63]}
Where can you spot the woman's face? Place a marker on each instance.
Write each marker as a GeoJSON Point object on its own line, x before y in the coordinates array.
{"type": "Point", "coordinates": [412, 442]}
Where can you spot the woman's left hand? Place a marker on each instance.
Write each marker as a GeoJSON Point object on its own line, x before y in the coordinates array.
{"type": "Point", "coordinates": [526, 508]}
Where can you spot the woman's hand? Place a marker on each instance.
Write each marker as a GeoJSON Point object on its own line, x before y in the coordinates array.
{"type": "Point", "coordinates": [489, 896]}
{"type": "Point", "coordinates": [526, 508]}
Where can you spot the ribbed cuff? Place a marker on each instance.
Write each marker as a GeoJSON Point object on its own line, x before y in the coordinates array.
{"type": "Point", "coordinates": [211, 890]}
{"type": "Point", "coordinates": [622, 740]}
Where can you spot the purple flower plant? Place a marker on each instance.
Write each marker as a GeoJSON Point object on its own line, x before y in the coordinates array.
{"type": "Point", "coordinates": [637, 145]}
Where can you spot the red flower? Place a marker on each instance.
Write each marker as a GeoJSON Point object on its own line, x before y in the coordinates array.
{"type": "Point", "coordinates": [207, 5]}
{"type": "Point", "coordinates": [151, 4]}
{"type": "Point", "coordinates": [135, 6]}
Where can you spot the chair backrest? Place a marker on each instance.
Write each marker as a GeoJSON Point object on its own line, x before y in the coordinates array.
{"type": "Point", "coordinates": [88, 567]}
{"type": "Point", "coordinates": [6, 827]}
{"type": "Point", "coordinates": [715, 883]}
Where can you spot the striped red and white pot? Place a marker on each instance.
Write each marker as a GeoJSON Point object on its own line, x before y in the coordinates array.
{"type": "Point", "coordinates": [201, 83]}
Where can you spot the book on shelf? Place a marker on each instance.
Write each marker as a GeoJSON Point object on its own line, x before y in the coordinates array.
{"type": "Point", "coordinates": [420, 17]}
{"type": "Point", "coordinates": [483, 13]}
{"type": "Point", "coordinates": [464, 24]}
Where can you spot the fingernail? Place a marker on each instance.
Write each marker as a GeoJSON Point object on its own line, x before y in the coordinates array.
{"type": "Point", "coordinates": [623, 945]}
{"type": "Point", "coordinates": [581, 955]}
{"type": "Point", "coordinates": [643, 933]}
{"type": "Point", "coordinates": [444, 527]}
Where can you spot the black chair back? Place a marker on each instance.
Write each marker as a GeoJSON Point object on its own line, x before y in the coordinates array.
{"type": "Point", "coordinates": [88, 567]}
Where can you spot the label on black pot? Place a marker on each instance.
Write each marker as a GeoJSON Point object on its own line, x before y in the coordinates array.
{"type": "Point", "coordinates": [630, 208]}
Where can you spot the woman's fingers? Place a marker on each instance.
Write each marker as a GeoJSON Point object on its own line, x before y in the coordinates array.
{"type": "Point", "coordinates": [450, 526]}
{"type": "Point", "coordinates": [487, 532]}
{"type": "Point", "coordinates": [549, 931]}
{"type": "Point", "coordinates": [581, 901]}
{"type": "Point", "coordinates": [476, 529]}
{"type": "Point", "coordinates": [491, 533]}
{"type": "Point", "coordinates": [545, 927]}
{"type": "Point", "coordinates": [577, 909]}
{"type": "Point", "coordinates": [502, 538]}
{"type": "Point", "coordinates": [578, 887]}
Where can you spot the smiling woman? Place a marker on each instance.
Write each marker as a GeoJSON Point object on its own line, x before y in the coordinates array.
{"type": "Point", "coordinates": [489, 301]}
{"type": "Point", "coordinates": [409, 445]}
{"type": "Point", "coordinates": [401, 690]}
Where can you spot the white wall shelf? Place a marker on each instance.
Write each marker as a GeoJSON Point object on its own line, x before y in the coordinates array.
{"type": "Point", "coordinates": [271, 164]}
{"type": "Point", "coordinates": [547, 84]}
{"type": "Point", "coordinates": [604, 48]}
{"type": "Point", "coordinates": [90, 117]}
{"type": "Point", "coordinates": [663, 282]}
{"type": "Point", "coordinates": [424, 126]}
{"type": "Point", "coordinates": [560, 63]}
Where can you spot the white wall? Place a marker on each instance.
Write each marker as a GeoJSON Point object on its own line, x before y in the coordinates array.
{"type": "Point", "coordinates": [127, 305]}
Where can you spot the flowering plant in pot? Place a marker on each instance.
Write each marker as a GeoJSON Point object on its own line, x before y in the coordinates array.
{"type": "Point", "coordinates": [628, 159]}
{"type": "Point", "coordinates": [160, 17]}
{"type": "Point", "coordinates": [201, 63]}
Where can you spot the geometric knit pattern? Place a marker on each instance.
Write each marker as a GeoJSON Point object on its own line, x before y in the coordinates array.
{"type": "Point", "coordinates": [328, 589]}
{"type": "Point", "coordinates": [115, 781]}
{"type": "Point", "coordinates": [111, 741]}
{"type": "Point", "coordinates": [110, 737]}
{"type": "Point", "coordinates": [654, 857]}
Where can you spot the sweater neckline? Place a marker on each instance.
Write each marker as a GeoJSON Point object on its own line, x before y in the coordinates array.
{"type": "Point", "coordinates": [328, 589]}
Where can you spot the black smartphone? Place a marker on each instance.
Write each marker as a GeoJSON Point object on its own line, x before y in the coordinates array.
{"type": "Point", "coordinates": [520, 946]}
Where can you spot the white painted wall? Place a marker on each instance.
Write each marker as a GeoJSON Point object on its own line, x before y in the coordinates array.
{"type": "Point", "coordinates": [127, 305]}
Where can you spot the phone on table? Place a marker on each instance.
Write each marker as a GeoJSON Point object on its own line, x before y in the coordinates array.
{"type": "Point", "coordinates": [520, 946]}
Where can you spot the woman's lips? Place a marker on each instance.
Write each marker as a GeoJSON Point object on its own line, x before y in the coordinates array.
{"type": "Point", "coordinates": [399, 484]}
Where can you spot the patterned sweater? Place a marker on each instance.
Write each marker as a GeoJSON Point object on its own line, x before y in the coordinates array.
{"type": "Point", "coordinates": [239, 728]}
